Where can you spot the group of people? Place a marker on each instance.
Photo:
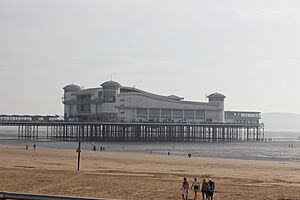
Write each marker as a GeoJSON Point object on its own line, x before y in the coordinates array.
{"type": "Point", "coordinates": [95, 148]}
{"type": "Point", "coordinates": [27, 146]}
{"type": "Point", "coordinates": [100, 149]}
{"type": "Point", "coordinates": [207, 188]}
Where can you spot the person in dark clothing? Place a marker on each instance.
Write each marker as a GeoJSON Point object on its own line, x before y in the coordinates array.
{"type": "Point", "coordinates": [204, 189]}
{"type": "Point", "coordinates": [210, 189]}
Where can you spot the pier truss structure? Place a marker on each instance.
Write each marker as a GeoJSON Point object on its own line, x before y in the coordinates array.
{"type": "Point", "coordinates": [137, 132]}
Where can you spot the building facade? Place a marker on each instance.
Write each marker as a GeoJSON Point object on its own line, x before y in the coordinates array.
{"type": "Point", "coordinates": [113, 102]}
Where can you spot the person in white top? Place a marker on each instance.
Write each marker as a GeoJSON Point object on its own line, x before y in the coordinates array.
{"type": "Point", "coordinates": [196, 187]}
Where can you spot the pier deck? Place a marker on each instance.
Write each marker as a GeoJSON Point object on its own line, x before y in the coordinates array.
{"type": "Point", "coordinates": [138, 132]}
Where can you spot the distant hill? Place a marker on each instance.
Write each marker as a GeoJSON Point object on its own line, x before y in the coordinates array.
{"type": "Point", "coordinates": [281, 121]}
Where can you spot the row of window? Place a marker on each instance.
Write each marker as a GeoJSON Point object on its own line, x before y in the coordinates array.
{"type": "Point", "coordinates": [110, 99]}
{"type": "Point", "coordinates": [84, 108]}
{"type": "Point", "coordinates": [246, 121]}
{"type": "Point", "coordinates": [167, 113]}
{"type": "Point", "coordinates": [240, 114]}
{"type": "Point", "coordinates": [83, 97]}
{"type": "Point", "coordinates": [107, 95]}
{"type": "Point", "coordinates": [109, 115]}
{"type": "Point", "coordinates": [110, 87]}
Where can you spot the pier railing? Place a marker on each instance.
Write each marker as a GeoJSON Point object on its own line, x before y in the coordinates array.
{"type": "Point", "coordinates": [23, 196]}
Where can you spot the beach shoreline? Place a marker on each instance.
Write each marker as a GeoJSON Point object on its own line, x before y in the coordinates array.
{"type": "Point", "coordinates": [123, 175]}
{"type": "Point", "coordinates": [276, 150]}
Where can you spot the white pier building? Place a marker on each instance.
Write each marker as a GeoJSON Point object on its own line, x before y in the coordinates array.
{"type": "Point", "coordinates": [113, 102]}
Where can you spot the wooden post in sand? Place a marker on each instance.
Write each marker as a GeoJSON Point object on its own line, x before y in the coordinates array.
{"type": "Point", "coordinates": [78, 157]}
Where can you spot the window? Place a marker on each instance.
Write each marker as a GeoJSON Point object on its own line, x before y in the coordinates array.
{"type": "Point", "coordinates": [189, 114]}
{"type": "Point", "coordinates": [109, 96]}
{"type": "Point", "coordinates": [110, 87]}
{"type": "Point", "coordinates": [109, 99]}
{"type": "Point", "coordinates": [142, 112]}
{"type": "Point", "coordinates": [199, 114]}
{"type": "Point", "coordinates": [178, 113]}
{"type": "Point", "coordinates": [154, 113]}
{"type": "Point", "coordinates": [166, 113]}
{"type": "Point", "coordinates": [84, 108]}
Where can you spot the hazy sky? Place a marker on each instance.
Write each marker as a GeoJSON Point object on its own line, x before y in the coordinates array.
{"type": "Point", "coordinates": [247, 50]}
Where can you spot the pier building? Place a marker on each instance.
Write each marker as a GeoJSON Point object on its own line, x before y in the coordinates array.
{"type": "Point", "coordinates": [112, 102]}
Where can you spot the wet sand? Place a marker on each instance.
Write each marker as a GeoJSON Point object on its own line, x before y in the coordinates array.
{"type": "Point", "coordinates": [142, 176]}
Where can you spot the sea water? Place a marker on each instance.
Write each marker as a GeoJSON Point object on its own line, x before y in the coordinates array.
{"type": "Point", "coordinates": [285, 146]}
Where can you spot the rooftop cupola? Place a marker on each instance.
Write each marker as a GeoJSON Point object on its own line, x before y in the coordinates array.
{"type": "Point", "coordinates": [110, 91]}
{"type": "Point", "coordinates": [72, 88]}
{"type": "Point", "coordinates": [111, 83]}
{"type": "Point", "coordinates": [216, 97]}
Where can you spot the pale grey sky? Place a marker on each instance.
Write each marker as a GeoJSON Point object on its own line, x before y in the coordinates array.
{"type": "Point", "coordinates": [247, 50]}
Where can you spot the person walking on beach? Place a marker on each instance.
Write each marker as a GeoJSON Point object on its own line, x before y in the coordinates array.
{"type": "Point", "coordinates": [26, 146]}
{"type": "Point", "coordinates": [185, 189]}
{"type": "Point", "coordinates": [34, 146]}
{"type": "Point", "coordinates": [204, 189]}
{"type": "Point", "coordinates": [196, 187]}
{"type": "Point", "coordinates": [210, 189]}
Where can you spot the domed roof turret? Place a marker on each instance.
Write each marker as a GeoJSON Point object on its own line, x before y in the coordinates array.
{"type": "Point", "coordinates": [216, 95]}
{"type": "Point", "coordinates": [110, 83]}
{"type": "Point", "coordinates": [72, 88]}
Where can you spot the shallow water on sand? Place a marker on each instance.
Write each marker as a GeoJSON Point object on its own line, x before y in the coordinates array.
{"type": "Point", "coordinates": [280, 149]}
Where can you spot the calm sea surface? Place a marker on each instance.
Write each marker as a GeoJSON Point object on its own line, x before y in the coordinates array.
{"type": "Point", "coordinates": [285, 146]}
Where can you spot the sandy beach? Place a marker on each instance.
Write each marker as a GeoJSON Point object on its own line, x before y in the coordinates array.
{"type": "Point", "coordinates": [114, 175]}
